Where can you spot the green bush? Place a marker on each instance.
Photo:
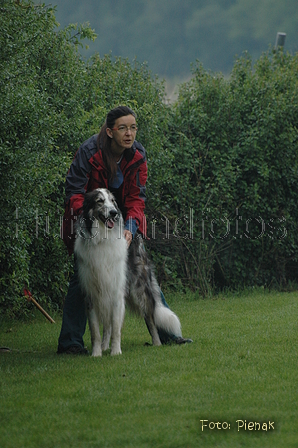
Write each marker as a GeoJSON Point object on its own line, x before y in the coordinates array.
{"type": "Point", "coordinates": [39, 70]}
{"type": "Point", "coordinates": [233, 146]}
{"type": "Point", "coordinates": [266, 114]}
{"type": "Point", "coordinates": [198, 179]}
{"type": "Point", "coordinates": [51, 100]}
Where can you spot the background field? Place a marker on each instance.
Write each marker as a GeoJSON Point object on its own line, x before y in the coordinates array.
{"type": "Point", "coordinates": [241, 366]}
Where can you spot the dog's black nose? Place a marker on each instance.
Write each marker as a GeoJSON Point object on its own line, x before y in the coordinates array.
{"type": "Point", "coordinates": [113, 213]}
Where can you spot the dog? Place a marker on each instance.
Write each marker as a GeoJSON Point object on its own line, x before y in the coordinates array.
{"type": "Point", "coordinates": [112, 275]}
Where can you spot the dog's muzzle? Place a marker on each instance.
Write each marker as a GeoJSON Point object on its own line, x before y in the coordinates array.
{"type": "Point", "coordinates": [113, 217]}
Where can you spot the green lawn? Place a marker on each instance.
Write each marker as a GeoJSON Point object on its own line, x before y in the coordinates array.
{"type": "Point", "coordinates": [241, 366]}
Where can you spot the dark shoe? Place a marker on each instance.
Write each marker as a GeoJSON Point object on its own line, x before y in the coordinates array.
{"type": "Point", "coordinates": [73, 350]}
{"type": "Point", "coordinates": [5, 349]}
{"type": "Point", "coordinates": [183, 341]}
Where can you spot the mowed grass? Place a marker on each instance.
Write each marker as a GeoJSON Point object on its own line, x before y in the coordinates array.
{"type": "Point", "coordinates": [241, 366]}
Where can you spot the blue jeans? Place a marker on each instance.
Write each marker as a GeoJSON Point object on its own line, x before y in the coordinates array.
{"type": "Point", "coordinates": [74, 315]}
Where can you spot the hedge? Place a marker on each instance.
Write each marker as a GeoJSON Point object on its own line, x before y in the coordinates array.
{"type": "Point", "coordinates": [222, 161]}
{"type": "Point", "coordinates": [234, 164]}
{"type": "Point", "coordinates": [51, 100]}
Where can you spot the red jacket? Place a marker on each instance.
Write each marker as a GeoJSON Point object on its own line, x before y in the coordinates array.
{"type": "Point", "coordinates": [87, 172]}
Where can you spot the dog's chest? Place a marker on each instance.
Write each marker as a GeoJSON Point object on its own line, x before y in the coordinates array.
{"type": "Point", "coordinates": [108, 256]}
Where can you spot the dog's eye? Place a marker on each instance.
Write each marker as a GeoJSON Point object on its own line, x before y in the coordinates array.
{"type": "Point", "coordinates": [99, 200]}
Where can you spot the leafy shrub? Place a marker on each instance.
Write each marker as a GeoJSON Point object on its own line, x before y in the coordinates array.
{"type": "Point", "coordinates": [36, 78]}
{"type": "Point", "coordinates": [233, 146]}
{"type": "Point", "coordinates": [51, 100]}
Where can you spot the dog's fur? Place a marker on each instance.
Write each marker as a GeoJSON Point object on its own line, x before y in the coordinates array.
{"type": "Point", "coordinates": [111, 275]}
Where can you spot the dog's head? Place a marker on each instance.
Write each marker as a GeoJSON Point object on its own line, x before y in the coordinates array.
{"type": "Point", "coordinates": [100, 205]}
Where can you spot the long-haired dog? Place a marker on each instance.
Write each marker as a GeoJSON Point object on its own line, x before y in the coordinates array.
{"type": "Point", "coordinates": [111, 275]}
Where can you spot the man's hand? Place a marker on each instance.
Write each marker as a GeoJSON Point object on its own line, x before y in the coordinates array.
{"type": "Point", "coordinates": [128, 237]}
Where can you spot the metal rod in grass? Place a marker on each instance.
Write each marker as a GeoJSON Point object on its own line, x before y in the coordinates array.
{"type": "Point", "coordinates": [31, 299]}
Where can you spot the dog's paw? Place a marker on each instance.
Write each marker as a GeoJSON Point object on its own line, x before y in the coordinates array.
{"type": "Point", "coordinates": [116, 351]}
{"type": "Point", "coordinates": [96, 352]}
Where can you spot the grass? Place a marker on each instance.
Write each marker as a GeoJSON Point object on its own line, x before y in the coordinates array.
{"type": "Point", "coordinates": [241, 366]}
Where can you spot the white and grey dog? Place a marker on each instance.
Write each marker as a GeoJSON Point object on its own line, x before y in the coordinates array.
{"type": "Point", "coordinates": [111, 275]}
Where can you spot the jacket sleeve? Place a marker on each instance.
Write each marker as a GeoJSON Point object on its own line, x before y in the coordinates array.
{"type": "Point", "coordinates": [75, 188]}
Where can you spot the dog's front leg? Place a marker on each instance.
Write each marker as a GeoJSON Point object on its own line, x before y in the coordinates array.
{"type": "Point", "coordinates": [117, 321]}
{"type": "Point", "coordinates": [107, 331]}
{"type": "Point", "coordinates": [95, 334]}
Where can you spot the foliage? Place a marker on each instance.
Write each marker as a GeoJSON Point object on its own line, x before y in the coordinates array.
{"type": "Point", "coordinates": [39, 88]}
{"type": "Point", "coordinates": [266, 109]}
{"type": "Point", "coordinates": [235, 162]}
{"type": "Point", "coordinates": [198, 179]}
{"type": "Point", "coordinates": [51, 100]}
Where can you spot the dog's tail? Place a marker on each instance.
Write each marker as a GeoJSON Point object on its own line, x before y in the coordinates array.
{"type": "Point", "coordinates": [166, 320]}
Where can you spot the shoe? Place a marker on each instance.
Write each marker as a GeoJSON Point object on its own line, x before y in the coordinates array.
{"type": "Point", "coordinates": [5, 349]}
{"type": "Point", "coordinates": [183, 341]}
{"type": "Point", "coordinates": [73, 350]}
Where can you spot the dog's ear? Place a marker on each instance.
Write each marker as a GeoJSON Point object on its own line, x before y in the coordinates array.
{"type": "Point", "coordinates": [116, 206]}
{"type": "Point", "coordinates": [87, 213]}
{"type": "Point", "coordinates": [88, 204]}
